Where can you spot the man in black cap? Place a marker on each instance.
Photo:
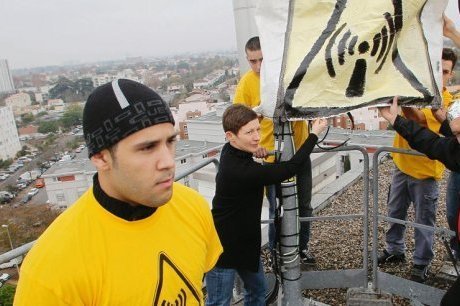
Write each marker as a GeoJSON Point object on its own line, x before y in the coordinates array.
{"type": "Point", "coordinates": [135, 237]}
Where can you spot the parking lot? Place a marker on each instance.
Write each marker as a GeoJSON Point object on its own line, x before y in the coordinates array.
{"type": "Point", "coordinates": [32, 163]}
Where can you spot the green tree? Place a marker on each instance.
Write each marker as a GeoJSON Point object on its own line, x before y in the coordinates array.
{"type": "Point", "coordinates": [182, 65]}
{"type": "Point", "coordinates": [24, 151]}
{"type": "Point", "coordinates": [73, 144]}
{"type": "Point", "coordinates": [32, 97]}
{"type": "Point", "coordinates": [27, 118]}
{"type": "Point", "coordinates": [5, 163]}
{"type": "Point", "coordinates": [70, 91]}
{"type": "Point", "coordinates": [41, 114]}
{"type": "Point", "coordinates": [7, 295]}
{"type": "Point", "coordinates": [72, 116]}
{"type": "Point", "coordinates": [48, 127]}
{"type": "Point", "coordinates": [189, 86]}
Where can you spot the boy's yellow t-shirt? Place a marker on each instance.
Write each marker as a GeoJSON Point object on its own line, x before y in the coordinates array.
{"type": "Point", "coordinates": [248, 93]}
{"type": "Point", "coordinates": [421, 167]}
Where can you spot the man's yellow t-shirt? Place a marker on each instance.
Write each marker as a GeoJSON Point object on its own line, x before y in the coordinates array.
{"type": "Point", "coordinates": [248, 93]}
{"type": "Point", "coordinates": [89, 256]}
{"type": "Point", "coordinates": [421, 167]}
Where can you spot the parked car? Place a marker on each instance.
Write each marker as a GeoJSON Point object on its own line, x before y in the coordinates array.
{"type": "Point", "coordinates": [4, 176]}
{"type": "Point", "coordinates": [3, 278]}
{"type": "Point", "coordinates": [23, 181]}
{"type": "Point", "coordinates": [26, 198]}
{"type": "Point", "coordinates": [40, 182]}
{"type": "Point", "coordinates": [24, 159]}
{"type": "Point", "coordinates": [7, 194]}
{"type": "Point", "coordinates": [21, 186]}
{"type": "Point", "coordinates": [4, 199]}
{"type": "Point", "coordinates": [13, 168]}
{"type": "Point", "coordinates": [33, 192]}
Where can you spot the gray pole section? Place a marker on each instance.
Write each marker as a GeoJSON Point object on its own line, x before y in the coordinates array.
{"type": "Point", "coordinates": [289, 232]}
{"type": "Point", "coordinates": [5, 257]}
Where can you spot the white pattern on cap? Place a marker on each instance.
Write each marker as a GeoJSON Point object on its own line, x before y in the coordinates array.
{"type": "Point", "coordinates": [119, 95]}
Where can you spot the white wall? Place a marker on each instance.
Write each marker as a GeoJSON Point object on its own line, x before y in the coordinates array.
{"type": "Point", "coordinates": [245, 27]}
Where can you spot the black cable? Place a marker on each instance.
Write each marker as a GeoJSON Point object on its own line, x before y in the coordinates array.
{"type": "Point", "coordinates": [327, 132]}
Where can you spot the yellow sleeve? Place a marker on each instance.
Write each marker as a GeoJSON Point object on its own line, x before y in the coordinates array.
{"type": "Point", "coordinates": [32, 292]}
{"type": "Point", "coordinates": [213, 242]}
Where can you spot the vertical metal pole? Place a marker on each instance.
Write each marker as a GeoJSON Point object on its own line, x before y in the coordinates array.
{"type": "Point", "coordinates": [375, 213]}
{"type": "Point", "coordinates": [365, 213]}
{"type": "Point", "coordinates": [289, 232]}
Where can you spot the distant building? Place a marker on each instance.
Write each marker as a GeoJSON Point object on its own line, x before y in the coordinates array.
{"type": "Point", "coordinates": [101, 79]}
{"type": "Point", "coordinates": [369, 116]}
{"type": "Point", "coordinates": [9, 140]}
{"type": "Point", "coordinates": [176, 88]}
{"type": "Point", "coordinates": [65, 182]}
{"type": "Point", "coordinates": [189, 110]}
{"type": "Point", "coordinates": [18, 102]}
{"type": "Point", "coordinates": [364, 119]}
{"type": "Point", "coordinates": [208, 127]}
{"type": "Point", "coordinates": [58, 105]}
{"type": "Point", "coordinates": [6, 79]}
{"type": "Point", "coordinates": [211, 80]}
{"type": "Point", "coordinates": [183, 132]}
{"type": "Point", "coordinates": [28, 132]}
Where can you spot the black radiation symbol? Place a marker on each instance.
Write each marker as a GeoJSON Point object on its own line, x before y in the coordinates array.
{"type": "Point", "coordinates": [384, 44]}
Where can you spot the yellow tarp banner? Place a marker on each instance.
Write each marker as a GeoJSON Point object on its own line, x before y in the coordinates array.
{"type": "Point", "coordinates": [343, 54]}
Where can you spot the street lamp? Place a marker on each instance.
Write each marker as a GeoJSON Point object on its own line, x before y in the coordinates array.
{"type": "Point", "coordinates": [5, 226]}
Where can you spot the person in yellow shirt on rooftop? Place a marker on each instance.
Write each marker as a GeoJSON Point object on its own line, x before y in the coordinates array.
{"type": "Point", "coordinates": [415, 180]}
{"type": "Point", "coordinates": [248, 93]}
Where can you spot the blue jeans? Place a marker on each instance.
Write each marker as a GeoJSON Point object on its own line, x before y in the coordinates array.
{"type": "Point", "coordinates": [220, 281]}
{"type": "Point", "coordinates": [452, 206]}
{"type": "Point", "coordinates": [424, 194]}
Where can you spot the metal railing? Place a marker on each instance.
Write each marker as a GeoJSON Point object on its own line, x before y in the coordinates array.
{"type": "Point", "coordinates": [345, 278]}
{"type": "Point", "coordinates": [390, 283]}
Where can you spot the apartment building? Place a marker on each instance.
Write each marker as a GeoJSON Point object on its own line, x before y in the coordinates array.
{"type": "Point", "coordinates": [9, 139]}
{"type": "Point", "coordinates": [18, 101]}
{"type": "Point", "coordinates": [6, 79]}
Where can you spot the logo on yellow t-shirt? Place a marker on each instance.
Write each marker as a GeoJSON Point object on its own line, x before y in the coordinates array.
{"type": "Point", "coordinates": [173, 287]}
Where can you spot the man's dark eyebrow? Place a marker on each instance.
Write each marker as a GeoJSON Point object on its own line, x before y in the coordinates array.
{"type": "Point", "coordinates": [174, 135]}
{"type": "Point", "coordinates": [148, 143]}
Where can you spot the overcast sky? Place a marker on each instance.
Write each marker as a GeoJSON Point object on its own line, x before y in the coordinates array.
{"type": "Point", "coordinates": [45, 32]}
{"type": "Point", "coordinates": [54, 32]}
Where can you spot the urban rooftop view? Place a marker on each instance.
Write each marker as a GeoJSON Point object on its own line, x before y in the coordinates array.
{"type": "Point", "coordinates": [45, 169]}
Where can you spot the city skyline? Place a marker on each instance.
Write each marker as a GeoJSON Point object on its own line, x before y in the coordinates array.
{"type": "Point", "coordinates": [56, 32]}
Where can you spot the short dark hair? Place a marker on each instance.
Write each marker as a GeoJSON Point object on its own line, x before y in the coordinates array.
{"type": "Point", "coordinates": [237, 116]}
{"type": "Point", "coordinates": [253, 44]}
{"type": "Point", "coordinates": [449, 55]}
